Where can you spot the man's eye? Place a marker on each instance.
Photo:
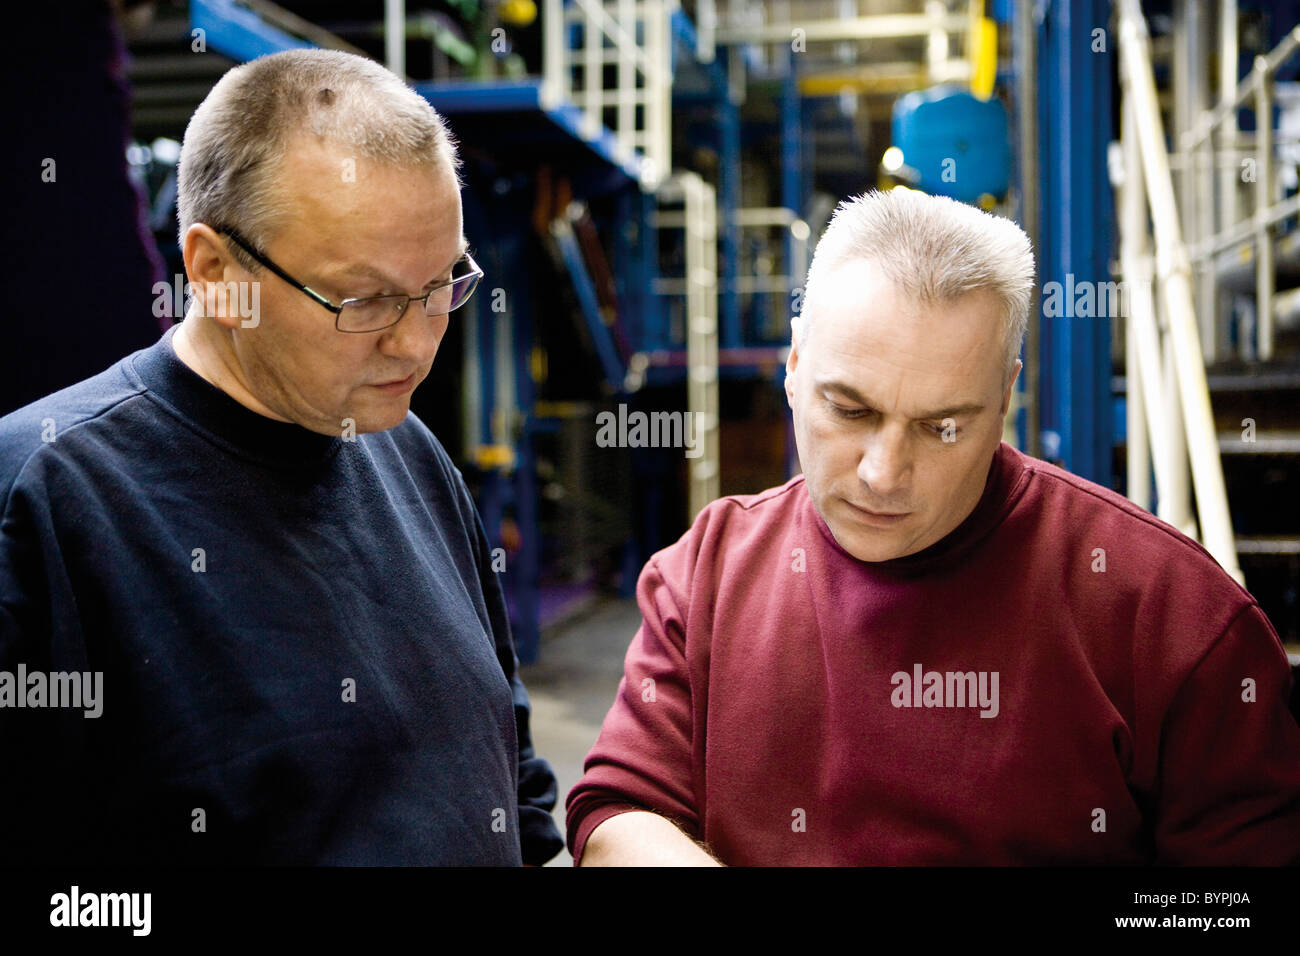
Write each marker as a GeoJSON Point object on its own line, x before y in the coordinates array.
{"type": "Point", "coordinates": [941, 428]}
{"type": "Point", "coordinates": [841, 412]}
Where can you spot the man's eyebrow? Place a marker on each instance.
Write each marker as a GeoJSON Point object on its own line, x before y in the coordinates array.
{"type": "Point", "coordinates": [851, 393]}
{"type": "Point", "coordinates": [367, 271]}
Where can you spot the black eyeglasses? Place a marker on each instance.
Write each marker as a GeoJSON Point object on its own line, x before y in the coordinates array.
{"type": "Point", "coordinates": [376, 312]}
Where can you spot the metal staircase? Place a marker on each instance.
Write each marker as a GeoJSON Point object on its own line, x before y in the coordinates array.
{"type": "Point", "coordinates": [1213, 361]}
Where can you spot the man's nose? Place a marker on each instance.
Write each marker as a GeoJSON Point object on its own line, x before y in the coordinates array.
{"type": "Point", "coordinates": [416, 335]}
{"type": "Point", "coordinates": [885, 463]}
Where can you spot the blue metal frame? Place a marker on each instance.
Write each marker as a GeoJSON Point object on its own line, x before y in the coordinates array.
{"type": "Point", "coordinates": [588, 304]}
{"type": "Point", "coordinates": [728, 141]}
{"type": "Point", "coordinates": [473, 96]}
{"type": "Point", "coordinates": [500, 226]}
{"type": "Point", "coordinates": [1075, 125]}
{"type": "Point", "coordinates": [506, 96]}
{"type": "Point", "coordinates": [792, 166]}
{"type": "Point", "coordinates": [237, 32]}
{"type": "Point", "coordinates": [730, 330]}
{"type": "Point", "coordinates": [635, 264]}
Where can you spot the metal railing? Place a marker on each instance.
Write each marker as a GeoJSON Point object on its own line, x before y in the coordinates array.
{"type": "Point", "coordinates": [580, 39]}
{"type": "Point", "coordinates": [1213, 142]}
{"type": "Point", "coordinates": [755, 218]}
{"type": "Point", "coordinates": [1168, 400]}
{"type": "Point", "coordinates": [699, 219]}
{"type": "Point", "coordinates": [844, 65]}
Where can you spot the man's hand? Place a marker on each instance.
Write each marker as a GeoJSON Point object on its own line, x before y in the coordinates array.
{"type": "Point", "coordinates": [641, 838]}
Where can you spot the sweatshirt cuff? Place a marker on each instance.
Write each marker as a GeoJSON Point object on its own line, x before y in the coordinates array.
{"type": "Point", "coordinates": [539, 837]}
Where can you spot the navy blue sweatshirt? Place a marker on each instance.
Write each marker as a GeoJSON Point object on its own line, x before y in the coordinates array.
{"type": "Point", "coordinates": [303, 652]}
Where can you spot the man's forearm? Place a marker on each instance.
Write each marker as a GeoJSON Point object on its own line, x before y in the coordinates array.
{"type": "Point", "coordinates": [641, 838]}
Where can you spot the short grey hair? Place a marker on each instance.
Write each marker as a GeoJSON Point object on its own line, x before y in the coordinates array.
{"type": "Point", "coordinates": [237, 139]}
{"type": "Point", "coordinates": [934, 249]}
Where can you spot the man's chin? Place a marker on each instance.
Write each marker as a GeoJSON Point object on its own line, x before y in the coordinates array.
{"type": "Point", "coordinates": [382, 422]}
{"type": "Point", "coordinates": [868, 544]}
{"type": "Point", "coordinates": [361, 423]}
{"type": "Point", "coordinates": [870, 552]}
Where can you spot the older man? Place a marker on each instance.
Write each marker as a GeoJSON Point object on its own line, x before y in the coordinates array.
{"type": "Point", "coordinates": [266, 572]}
{"type": "Point", "coordinates": [930, 648]}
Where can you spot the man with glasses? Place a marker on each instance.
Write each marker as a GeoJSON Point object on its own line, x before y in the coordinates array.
{"type": "Point", "coordinates": [248, 612]}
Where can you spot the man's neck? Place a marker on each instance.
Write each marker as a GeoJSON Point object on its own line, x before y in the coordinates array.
{"type": "Point", "coordinates": [204, 351]}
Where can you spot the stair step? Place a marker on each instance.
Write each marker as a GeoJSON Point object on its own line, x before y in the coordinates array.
{"type": "Point", "coordinates": [1268, 544]}
{"type": "Point", "coordinates": [1265, 443]}
{"type": "Point", "coordinates": [1235, 377]}
{"type": "Point", "coordinates": [1226, 377]}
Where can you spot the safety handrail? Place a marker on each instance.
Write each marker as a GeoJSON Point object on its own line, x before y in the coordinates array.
{"type": "Point", "coordinates": [633, 35]}
{"type": "Point", "coordinates": [1197, 142]}
{"type": "Point", "coordinates": [1149, 363]}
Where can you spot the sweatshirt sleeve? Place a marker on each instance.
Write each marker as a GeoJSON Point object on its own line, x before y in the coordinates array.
{"type": "Point", "coordinates": [643, 758]}
{"type": "Point", "coordinates": [1229, 791]}
{"type": "Point", "coordinates": [45, 812]}
{"type": "Point", "coordinates": [539, 838]}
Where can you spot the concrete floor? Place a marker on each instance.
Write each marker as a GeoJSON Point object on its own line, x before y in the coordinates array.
{"type": "Point", "coordinates": [572, 686]}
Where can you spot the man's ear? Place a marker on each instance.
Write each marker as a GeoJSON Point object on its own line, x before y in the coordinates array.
{"type": "Point", "coordinates": [792, 358]}
{"type": "Point", "coordinates": [1006, 397]}
{"type": "Point", "coordinates": [210, 267]}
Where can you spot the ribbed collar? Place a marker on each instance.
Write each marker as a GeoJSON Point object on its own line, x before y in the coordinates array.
{"type": "Point", "coordinates": [219, 417]}
{"type": "Point", "coordinates": [1002, 488]}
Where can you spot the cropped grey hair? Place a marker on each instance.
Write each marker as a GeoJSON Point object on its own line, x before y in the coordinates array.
{"type": "Point", "coordinates": [237, 139]}
{"type": "Point", "coordinates": [934, 249]}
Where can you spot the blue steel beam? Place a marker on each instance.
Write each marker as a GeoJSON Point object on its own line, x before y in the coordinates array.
{"type": "Point", "coordinates": [610, 363]}
{"type": "Point", "coordinates": [792, 167]}
{"type": "Point", "coordinates": [792, 162]}
{"type": "Point", "coordinates": [526, 622]}
{"type": "Point", "coordinates": [237, 32]}
{"type": "Point", "coordinates": [1074, 69]}
{"type": "Point", "coordinates": [731, 335]}
{"type": "Point", "coordinates": [501, 227]}
{"type": "Point", "coordinates": [715, 91]}
{"type": "Point", "coordinates": [452, 97]}
{"type": "Point", "coordinates": [475, 96]}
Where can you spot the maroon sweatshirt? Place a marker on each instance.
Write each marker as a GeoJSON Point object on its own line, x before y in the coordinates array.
{"type": "Point", "coordinates": [1063, 679]}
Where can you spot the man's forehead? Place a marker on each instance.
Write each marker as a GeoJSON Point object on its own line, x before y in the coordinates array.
{"type": "Point", "coordinates": [307, 156]}
{"type": "Point", "coordinates": [923, 403]}
{"type": "Point", "coordinates": [861, 311]}
{"type": "Point", "coordinates": [323, 176]}
{"type": "Point", "coordinates": [873, 374]}
{"type": "Point", "coordinates": [352, 210]}
{"type": "Point", "coordinates": [919, 375]}
{"type": "Point", "coordinates": [347, 266]}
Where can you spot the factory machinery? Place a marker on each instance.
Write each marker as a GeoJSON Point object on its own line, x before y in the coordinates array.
{"type": "Point", "coordinates": [645, 181]}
